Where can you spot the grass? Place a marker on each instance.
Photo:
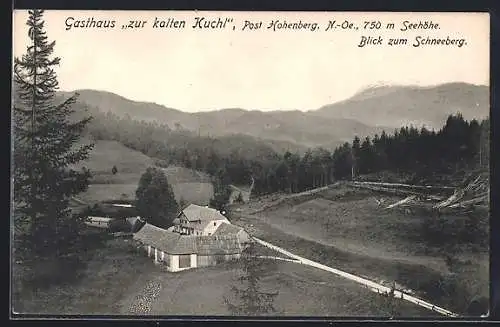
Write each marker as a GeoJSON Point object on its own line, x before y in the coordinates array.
{"type": "Point", "coordinates": [97, 285]}
{"type": "Point", "coordinates": [199, 193]}
{"type": "Point", "coordinates": [113, 277]}
{"type": "Point", "coordinates": [302, 291]}
{"type": "Point", "coordinates": [187, 184]}
{"type": "Point", "coordinates": [107, 154]}
{"type": "Point", "coordinates": [344, 228]}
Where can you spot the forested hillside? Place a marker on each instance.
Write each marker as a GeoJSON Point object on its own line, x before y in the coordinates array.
{"type": "Point", "coordinates": [419, 154]}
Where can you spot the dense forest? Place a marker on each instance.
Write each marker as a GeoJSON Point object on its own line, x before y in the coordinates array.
{"type": "Point", "coordinates": [421, 154]}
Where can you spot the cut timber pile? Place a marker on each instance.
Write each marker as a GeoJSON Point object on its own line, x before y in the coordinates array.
{"type": "Point", "coordinates": [435, 193]}
{"type": "Point", "coordinates": [473, 191]}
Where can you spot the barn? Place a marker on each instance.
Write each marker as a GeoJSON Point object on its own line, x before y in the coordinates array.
{"type": "Point", "coordinates": [180, 252]}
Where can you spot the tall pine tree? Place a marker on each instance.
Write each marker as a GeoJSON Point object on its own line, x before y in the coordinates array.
{"type": "Point", "coordinates": [45, 145]}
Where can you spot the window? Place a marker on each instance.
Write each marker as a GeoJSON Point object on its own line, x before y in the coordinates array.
{"type": "Point", "coordinates": [215, 224]}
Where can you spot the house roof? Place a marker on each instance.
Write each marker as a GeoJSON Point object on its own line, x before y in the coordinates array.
{"type": "Point", "coordinates": [230, 229]}
{"type": "Point", "coordinates": [195, 212]}
{"type": "Point", "coordinates": [174, 243]}
{"type": "Point", "coordinates": [227, 229]}
{"type": "Point", "coordinates": [213, 245]}
{"type": "Point", "coordinates": [157, 237]}
{"type": "Point", "coordinates": [135, 223]}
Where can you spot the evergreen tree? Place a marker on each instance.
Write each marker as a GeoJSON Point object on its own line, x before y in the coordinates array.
{"type": "Point", "coordinates": [366, 162]}
{"type": "Point", "coordinates": [356, 149]}
{"type": "Point", "coordinates": [484, 143]}
{"type": "Point", "coordinates": [155, 198]}
{"type": "Point", "coordinates": [251, 299]}
{"type": "Point", "coordinates": [45, 145]}
{"type": "Point", "coordinates": [222, 191]}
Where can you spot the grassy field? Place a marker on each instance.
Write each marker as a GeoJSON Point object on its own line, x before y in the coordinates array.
{"type": "Point", "coordinates": [107, 154]}
{"type": "Point", "coordinates": [187, 184]}
{"type": "Point", "coordinates": [113, 277]}
{"type": "Point", "coordinates": [346, 228]}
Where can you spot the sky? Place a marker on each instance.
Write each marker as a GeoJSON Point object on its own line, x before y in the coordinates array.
{"type": "Point", "coordinates": [208, 69]}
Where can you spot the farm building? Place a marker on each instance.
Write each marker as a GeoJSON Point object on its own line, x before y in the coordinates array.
{"type": "Point", "coordinates": [180, 252]}
{"type": "Point", "coordinates": [100, 222]}
{"type": "Point", "coordinates": [230, 229]}
{"type": "Point", "coordinates": [128, 225]}
{"type": "Point", "coordinates": [198, 220]}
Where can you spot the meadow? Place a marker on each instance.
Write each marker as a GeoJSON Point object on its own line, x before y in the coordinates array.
{"type": "Point", "coordinates": [114, 277]}
{"type": "Point", "coordinates": [188, 185]}
{"type": "Point", "coordinates": [348, 229]}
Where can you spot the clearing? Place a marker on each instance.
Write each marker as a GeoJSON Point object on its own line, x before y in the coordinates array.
{"type": "Point", "coordinates": [187, 184]}
{"type": "Point", "coordinates": [346, 228]}
{"type": "Point", "coordinates": [116, 278]}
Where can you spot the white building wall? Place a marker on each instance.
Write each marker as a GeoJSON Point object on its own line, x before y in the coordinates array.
{"type": "Point", "coordinates": [193, 260]}
{"type": "Point", "coordinates": [174, 263]}
{"type": "Point", "coordinates": [212, 227]}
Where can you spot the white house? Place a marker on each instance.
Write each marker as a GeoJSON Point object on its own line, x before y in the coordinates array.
{"type": "Point", "coordinates": [198, 220]}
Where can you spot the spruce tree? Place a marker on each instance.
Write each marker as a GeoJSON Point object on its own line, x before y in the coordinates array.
{"type": "Point", "coordinates": [45, 137]}
{"type": "Point", "coordinates": [251, 299]}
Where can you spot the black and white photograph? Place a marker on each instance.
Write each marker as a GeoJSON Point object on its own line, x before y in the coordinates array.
{"type": "Point", "coordinates": [250, 164]}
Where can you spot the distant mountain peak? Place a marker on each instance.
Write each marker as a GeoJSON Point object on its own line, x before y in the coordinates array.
{"type": "Point", "coordinates": [394, 105]}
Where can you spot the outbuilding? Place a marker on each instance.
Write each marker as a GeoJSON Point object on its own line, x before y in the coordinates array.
{"type": "Point", "coordinates": [180, 252]}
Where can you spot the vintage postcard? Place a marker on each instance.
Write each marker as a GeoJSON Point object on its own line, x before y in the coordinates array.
{"type": "Point", "coordinates": [236, 164]}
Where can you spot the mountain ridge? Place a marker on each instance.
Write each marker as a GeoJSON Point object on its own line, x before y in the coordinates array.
{"type": "Point", "coordinates": [368, 112]}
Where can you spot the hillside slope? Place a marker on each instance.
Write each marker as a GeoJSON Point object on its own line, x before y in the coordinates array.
{"type": "Point", "coordinates": [188, 185]}
{"type": "Point", "coordinates": [364, 114]}
{"type": "Point", "coordinates": [283, 130]}
{"type": "Point", "coordinates": [395, 106]}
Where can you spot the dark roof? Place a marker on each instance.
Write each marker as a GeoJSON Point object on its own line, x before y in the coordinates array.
{"type": "Point", "coordinates": [157, 237]}
{"type": "Point", "coordinates": [135, 223]}
{"type": "Point", "coordinates": [213, 244]}
{"type": "Point", "coordinates": [174, 243]}
{"type": "Point", "coordinates": [195, 212]}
